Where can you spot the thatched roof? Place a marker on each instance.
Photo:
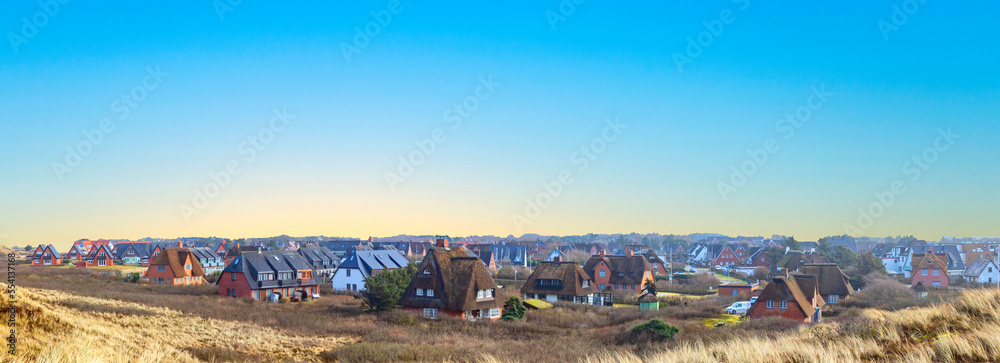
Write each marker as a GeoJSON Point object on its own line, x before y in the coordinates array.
{"type": "Point", "coordinates": [455, 275]}
{"type": "Point", "coordinates": [800, 288]}
{"type": "Point", "coordinates": [570, 274]}
{"type": "Point", "coordinates": [832, 281]}
{"type": "Point", "coordinates": [176, 258]}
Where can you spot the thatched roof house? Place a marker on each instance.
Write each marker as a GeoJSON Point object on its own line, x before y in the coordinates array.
{"type": "Point", "coordinates": [452, 281]}
{"type": "Point", "coordinates": [559, 281]}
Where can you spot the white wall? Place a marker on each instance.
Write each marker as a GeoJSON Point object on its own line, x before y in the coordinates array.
{"type": "Point", "coordinates": [340, 279]}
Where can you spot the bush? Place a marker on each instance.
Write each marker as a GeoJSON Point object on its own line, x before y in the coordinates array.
{"type": "Point", "coordinates": [383, 290]}
{"type": "Point", "coordinates": [513, 309]}
{"type": "Point", "coordinates": [882, 292]}
{"type": "Point", "coordinates": [653, 331]}
{"type": "Point", "coordinates": [132, 277]}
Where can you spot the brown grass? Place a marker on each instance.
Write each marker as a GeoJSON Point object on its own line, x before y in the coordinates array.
{"type": "Point", "coordinates": [67, 315]}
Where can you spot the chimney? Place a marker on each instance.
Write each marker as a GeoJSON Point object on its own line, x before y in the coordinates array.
{"type": "Point", "coordinates": [603, 252]}
{"type": "Point", "coordinates": [441, 242]}
{"type": "Point", "coordinates": [371, 239]}
{"type": "Point", "coordinates": [629, 253]}
{"type": "Point", "coordinates": [557, 259]}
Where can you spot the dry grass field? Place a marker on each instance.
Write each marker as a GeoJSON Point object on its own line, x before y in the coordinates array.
{"type": "Point", "coordinates": [66, 315]}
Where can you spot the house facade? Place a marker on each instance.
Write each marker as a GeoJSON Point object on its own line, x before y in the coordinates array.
{"type": "Point", "coordinates": [323, 261]}
{"type": "Point", "coordinates": [134, 253]}
{"type": "Point", "coordinates": [982, 271]}
{"type": "Point", "coordinates": [929, 268]}
{"type": "Point", "coordinates": [796, 297]}
{"type": "Point", "coordinates": [452, 281]}
{"type": "Point", "coordinates": [175, 266]}
{"type": "Point", "coordinates": [359, 264]}
{"type": "Point", "coordinates": [559, 281]}
{"type": "Point", "coordinates": [619, 273]}
{"type": "Point", "coordinates": [209, 260]}
{"type": "Point", "coordinates": [45, 255]}
{"type": "Point", "coordinates": [268, 276]}
{"type": "Point", "coordinates": [100, 255]}
{"type": "Point", "coordinates": [659, 266]}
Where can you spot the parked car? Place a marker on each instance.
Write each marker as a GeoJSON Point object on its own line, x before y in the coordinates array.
{"type": "Point", "coordinates": [691, 270]}
{"type": "Point", "coordinates": [739, 308]}
{"type": "Point", "coordinates": [753, 300]}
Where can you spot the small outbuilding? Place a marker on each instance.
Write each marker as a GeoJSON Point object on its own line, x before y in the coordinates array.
{"type": "Point", "coordinates": [649, 302]}
{"type": "Point", "coordinates": [920, 289]}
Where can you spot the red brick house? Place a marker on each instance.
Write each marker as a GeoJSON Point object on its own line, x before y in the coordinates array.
{"type": "Point", "coordinates": [795, 298]}
{"type": "Point", "coordinates": [175, 266]}
{"type": "Point", "coordinates": [268, 276]}
{"type": "Point", "coordinates": [100, 255]}
{"type": "Point", "coordinates": [46, 255]}
{"type": "Point", "coordinates": [741, 253]}
{"type": "Point", "coordinates": [759, 258]}
{"type": "Point", "coordinates": [452, 281]}
{"type": "Point", "coordinates": [619, 273]}
{"type": "Point", "coordinates": [726, 257]}
{"type": "Point", "coordinates": [76, 252]}
{"type": "Point", "coordinates": [659, 266]}
{"type": "Point", "coordinates": [930, 268]}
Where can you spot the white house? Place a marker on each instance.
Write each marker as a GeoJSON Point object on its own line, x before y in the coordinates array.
{"type": "Point", "coordinates": [983, 271]}
{"type": "Point", "coordinates": [555, 253]}
{"type": "Point", "coordinates": [359, 264]}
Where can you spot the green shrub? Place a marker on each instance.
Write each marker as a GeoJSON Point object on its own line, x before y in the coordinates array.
{"type": "Point", "coordinates": [132, 277]}
{"type": "Point", "coordinates": [513, 309]}
{"type": "Point", "coordinates": [653, 331]}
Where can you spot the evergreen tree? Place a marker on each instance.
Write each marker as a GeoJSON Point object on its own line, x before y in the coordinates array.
{"type": "Point", "coordinates": [513, 309]}
{"type": "Point", "coordinates": [383, 290]}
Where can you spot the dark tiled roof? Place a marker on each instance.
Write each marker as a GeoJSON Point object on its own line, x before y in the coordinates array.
{"type": "Point", "coordinates": [624, 269]}
{"type": "Point", "coordinates": [976, 267]}
{"type": "Point", "coordinates": [368, 260]}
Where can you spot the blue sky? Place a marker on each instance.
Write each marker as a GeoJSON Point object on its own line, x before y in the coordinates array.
{"type": "Point", "coordinates": [325, 172]}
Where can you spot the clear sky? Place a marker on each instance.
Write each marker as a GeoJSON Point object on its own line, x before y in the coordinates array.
{"type": "Point", "coordinates": [184, 87]}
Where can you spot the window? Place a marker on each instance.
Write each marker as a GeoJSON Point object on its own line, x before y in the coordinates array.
{"type": "Point", "coordinates": [420, 292]}
{"type": "Point", "coordinates": [586, 284]}
{"type": "Point", "coordinates": [430, 313]}
{"type": "Point", "coordinates": [600, 287]}
{"type": "Point", "coordinates": [782, 304]}
{"type": "Point", "coordinates": [348, 273]}
{"type": "Point", "coordinates": [937, 284]}
{"type": "Point", "coordinates": [770, 304]}
{"type": "Point", "coordinates": [923, 272]}
{"type": "Point", "coordinates": [488, 293]}
{"type": "Point", "coordinates": [187, 267]}
{"type": "Point", "coordinates": [430, 293]}
{"type": "Point", "coordinates": [256, 294]}
{"type": "Point", "coordinates": [161, 268]}
{"type": "Point", "coordinates": [160, 281]}
{"type": "Point", "coordinates": [232, 276]}
{"type": "Point", "coordinates": [937, 272]}
{"type": "Point", "coordinates": [102, 262]}
{"type": "Point", "coordinates": [833, 299]}
{"type": "Point", "coordinates": [602, 273]}
{"type": "Point", "coordinates": [479, 294]}
{"type": "Point", "coordinates": [427, 272]}
{"type": "Point", "coordinates": [494, 313]}
{"type": "Point", "coordinates": [228, 291]}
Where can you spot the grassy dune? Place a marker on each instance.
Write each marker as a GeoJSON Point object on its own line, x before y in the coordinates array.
{"type": "Point", "coordinates": [59, 327]}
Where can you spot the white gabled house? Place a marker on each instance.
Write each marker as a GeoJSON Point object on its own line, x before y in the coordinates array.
{"type": "Point", "coordinates": [359, 264]}
{"type": "Point", "coordinates": [983, 271]}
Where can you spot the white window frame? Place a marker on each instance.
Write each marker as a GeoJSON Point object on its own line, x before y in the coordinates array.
{"type": "Point", "coordinates": [430, 313]}
{"type": "Point", "coordinates": [770, 304]}
{"type": "Point", "coordinates": [782, 304]}
{"type": "Point", "coordinates": [430, 292]}
{"type": "Point", "coordinates": [420, 292]}
{"type": "Point", "coordinates": [833, 299]}
{"type": "Point", "coordinates": [479, 294]}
